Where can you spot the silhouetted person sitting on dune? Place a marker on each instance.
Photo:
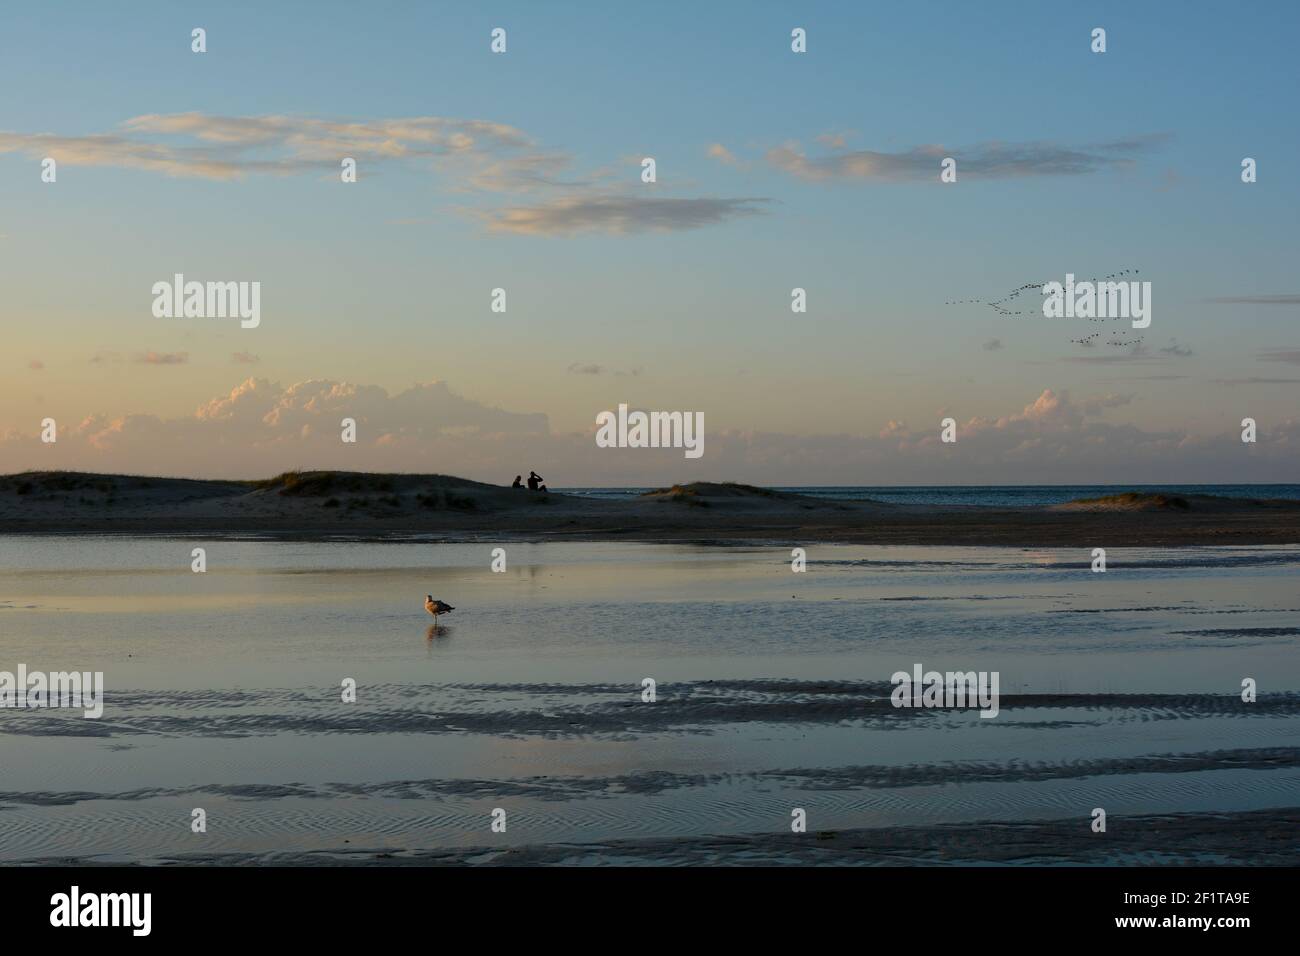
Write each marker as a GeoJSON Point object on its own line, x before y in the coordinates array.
{"type": "Point", "coordinates": [534, 479]}
{"type": "Point", "coordinates": [519, 481]}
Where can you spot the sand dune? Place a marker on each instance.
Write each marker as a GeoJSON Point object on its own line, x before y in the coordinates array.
{"type": "Point", "coordinates": [322, 504]}
{"type": "Point", "coordinates": [1153, 501]}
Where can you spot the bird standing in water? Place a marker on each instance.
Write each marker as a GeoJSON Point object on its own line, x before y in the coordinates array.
{"type": "Point", "coordinates": [436, 607]}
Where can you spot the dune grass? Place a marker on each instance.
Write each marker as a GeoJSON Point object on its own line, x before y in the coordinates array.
{"type": "Point", "coordinates": [679, 494]}
{"type": "Point", "coordinates": [318, 484]}
{"type": "Point", "coordinates": [1137, 498]}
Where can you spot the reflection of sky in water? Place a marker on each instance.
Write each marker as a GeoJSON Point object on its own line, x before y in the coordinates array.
{"type": "Point", "coordinates": [284, 614]}
{"type": "Point", "coordinates": [302, 616]}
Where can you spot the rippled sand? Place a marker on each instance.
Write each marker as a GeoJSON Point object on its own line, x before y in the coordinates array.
{"type": "Point", "coordinates": [1118, 691]}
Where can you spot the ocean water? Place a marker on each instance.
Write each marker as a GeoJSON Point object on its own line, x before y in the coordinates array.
{"type": "Point", "coordinates": [1005, 496]}
{"type": "Point", "coordinates": [1119, 690]}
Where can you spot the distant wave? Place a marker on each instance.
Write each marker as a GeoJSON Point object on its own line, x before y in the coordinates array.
{"type": "Point", "coordinates": [1006, 496]}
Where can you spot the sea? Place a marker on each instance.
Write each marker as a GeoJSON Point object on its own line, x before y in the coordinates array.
{"type": "Point", "coordinates": [1005, 496]}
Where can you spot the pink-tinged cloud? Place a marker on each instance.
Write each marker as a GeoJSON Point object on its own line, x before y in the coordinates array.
{"type": "Point", "coordinates": [468, 156]}
{"type": "Point", "coordinates": [261, 428]}
{"type": "Point", "coordinates": [205, 146]}
{"type": "Point", "coordinates": [722, 154]}
{"type": "Point", "coordinates": [161, 358]}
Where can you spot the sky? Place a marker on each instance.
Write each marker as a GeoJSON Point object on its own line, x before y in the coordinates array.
{"type": "Point", "coordinates": [774, 169]}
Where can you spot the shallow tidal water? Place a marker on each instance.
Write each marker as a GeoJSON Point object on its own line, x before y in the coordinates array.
{"type": "Point", "coordinates": [1119, 690]}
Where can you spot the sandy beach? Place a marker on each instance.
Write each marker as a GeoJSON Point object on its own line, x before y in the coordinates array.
{"type": "Point", "coordinates": [362, 506]}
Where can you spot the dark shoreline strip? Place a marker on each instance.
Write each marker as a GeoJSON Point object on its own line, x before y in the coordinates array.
{"type": "Point", "coordinates": [1254, 838]}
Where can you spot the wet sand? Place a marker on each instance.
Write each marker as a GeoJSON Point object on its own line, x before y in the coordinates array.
{"type": "Point", "coordinates": [223, 692]}
{"type": "Point", "coordinates": [1251, 838]}
{"type": "Point", "coordinates": [325, 506]}
{"type": "Point", "coordinates": [391, 819]}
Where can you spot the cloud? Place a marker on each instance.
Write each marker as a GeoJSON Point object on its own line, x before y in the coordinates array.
{"type": "Point", "coordinates": [994, 160]}
{"type": "Point", "coordinates": [1256, 381]}
{"type": "Point", "coordinates": [308, 136]}
{"type": "Point", "coordinates": [1176, 350]}
{"type": "Point", "coordinates": [1169, 179]}
{"type": "Point", "coordinates": [1140, 378]}
{"type": "Point", "coordinates": [244, 358]}
{"type": "Point", "coordinates": [1289, 356]}
{"type": "Point", "coordinates": [992, 345]}
{"type": "Point", "coordinates": [150, 357]}
{"type": "Point", "coordinates": [834, 140]}
{"type": "Point", "coordinates": [1052, 439]}
{"type": "Point", "coordinates": [230, 147]}
{"type": "Point", "coordinates": [1258, 300]}
{"type": "Point", "coordinates": [524, 174]}
{"type": "Point", "coordinates": [619, 215]}
{"type": "Point", "coordinates": [422, 409]}
{"type": "Point", "coordinates": [161, 358]}
{"type": "Point", "coordinates": [261, 428]}
{"type": "Point", "coordinates": [470, 155]}
{"type": "Point", "coordinates": [722, 154]}
{"type": "Point", "coordinates": [111, 150]}
{"type": "Point", "coordinates": [590, 368]}
{"type": "Point", "coordinates": [1096, 406]}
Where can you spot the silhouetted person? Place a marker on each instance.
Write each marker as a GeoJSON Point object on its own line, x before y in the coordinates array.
{"type": "Point", "coordinates": [534, 479]}
{"type": "Point", "coordinates": [519, 481]}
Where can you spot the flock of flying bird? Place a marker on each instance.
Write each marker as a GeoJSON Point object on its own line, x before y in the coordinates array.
{"type": "Point", "coordinates": [1002, 307]}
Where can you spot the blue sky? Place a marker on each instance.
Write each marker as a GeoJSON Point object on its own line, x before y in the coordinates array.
{"type": "Point", "coordinates": [385, 283]}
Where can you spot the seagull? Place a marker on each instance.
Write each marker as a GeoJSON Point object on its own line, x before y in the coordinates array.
{"type": "Point", "coordinates": [436, 607]}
